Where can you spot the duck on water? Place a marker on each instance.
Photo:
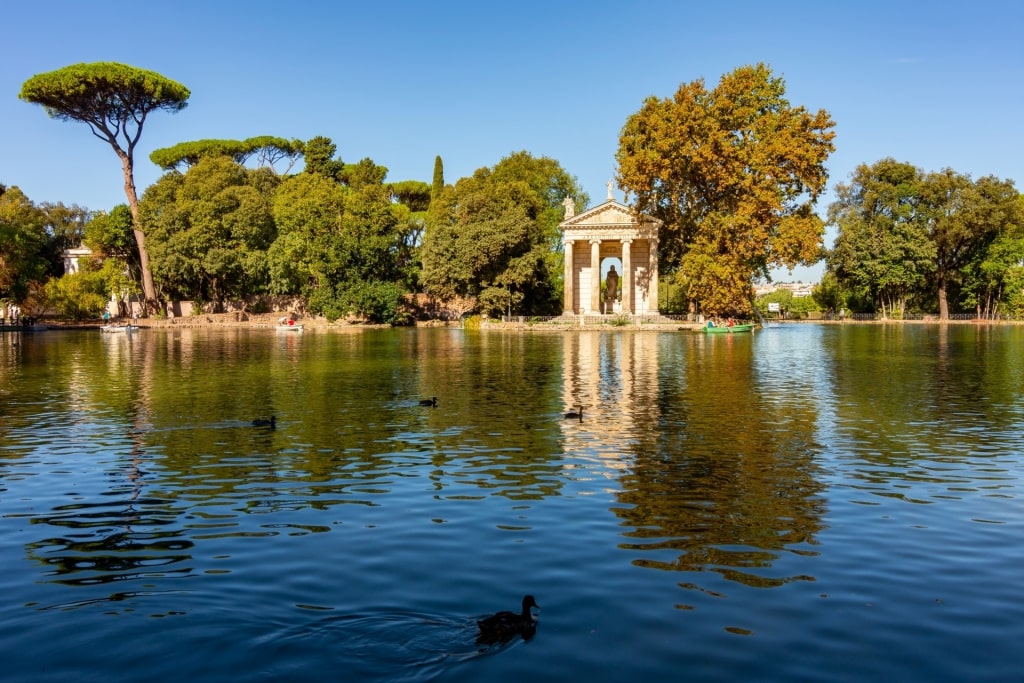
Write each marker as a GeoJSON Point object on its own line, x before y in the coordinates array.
{"type": "Point", "coordinates": [504, 626]}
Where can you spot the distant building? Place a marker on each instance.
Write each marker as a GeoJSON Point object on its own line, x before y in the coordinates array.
{"type": "Point", "coordinates": [798, 289]}
{"type": "Point", "coordinates": [74, 257]}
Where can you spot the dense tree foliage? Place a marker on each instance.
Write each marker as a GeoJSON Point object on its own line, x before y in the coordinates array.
{"type": "Point", "coordinates": [965, 217]}
{"type": "Point", "coordinates": [78, 296]}
{"type": "Point", "coordinates": [65, 229]}
{"type": "Point", "coordinates": [114, 100]}
{"type": "Point", "coordinates": [307, 213]}
{"type": "Point", "coordinates": [829, 294]}
{"type": "Point", "coordinates": [996, 277]}
{"type": "Point", "coordinates": [24, 245]}
{"type": "Point", "coordinates": [210, 229]}
{"type": "Point", "coordinates": [320, 159]}
{"type": "Point", "coordinates": [363, 263]}
{"type": "Point", "coordinates": [267, 149]}
{"type": "Point", "coordinates": [734, 173]}
{"type": "Point", "coordinates": [883, 252]}
{"type": "Point", "coordinates": [905, 234]}
{"type": "Point", "coordinates": [343, 247]}
{"type": "Point", "coordinates": [109, 234]}
{"type": "Point", "coordinates": [415, 194]}
{"type": "Point", "coordinates": [437, 182]}
{"type": "Point", "coordinates": [495, 236]}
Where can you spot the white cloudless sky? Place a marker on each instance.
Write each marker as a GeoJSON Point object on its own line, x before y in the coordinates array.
{"type": "Point", "coordinates": [934, 84]}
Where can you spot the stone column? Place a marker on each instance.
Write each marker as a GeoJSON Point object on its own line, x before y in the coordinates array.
{"type": "Point", "coordinates": [627, 278]}
{"type": "Point", "coordinates": [569, 274]}
{"type": "Point", "coordinates": [595, 276]}
{"type": "Point", "coordinates": [652, 265]}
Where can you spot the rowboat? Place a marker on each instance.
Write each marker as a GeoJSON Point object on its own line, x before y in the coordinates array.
{"type": "Point", "coordinates": [119, 328]}
{"type": "Point", "coordinates": [288, 328]}
{"type": "Point", "coordinates": [727, 329]}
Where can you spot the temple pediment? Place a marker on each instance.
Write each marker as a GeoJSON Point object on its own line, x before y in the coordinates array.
{"type": "Point", "coordinates": [611, 216]}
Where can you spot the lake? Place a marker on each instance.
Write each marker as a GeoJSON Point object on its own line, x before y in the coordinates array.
{"type": "Point", "coordinates": [805, 503]}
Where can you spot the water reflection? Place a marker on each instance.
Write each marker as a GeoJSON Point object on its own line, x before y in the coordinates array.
{"type": "Point", "coordinates": [879, 462]}
{"type": "Point", "coordinates": [714, 447]}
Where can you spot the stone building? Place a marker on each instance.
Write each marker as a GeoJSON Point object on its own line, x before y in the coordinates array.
{"type": "Point", "coordinates": [598, 238]}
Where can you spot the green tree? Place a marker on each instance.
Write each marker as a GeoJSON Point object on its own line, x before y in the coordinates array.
{"type": "Point", "coordinates": [79, 296]}
{"type": "Point", "coordinates": [110, 233]}
{"type": "Point", "coordinates": [882, 252]}
{"type": "Point", "coordinates": [65, 225]}
{"type": "Point", "coordinates": [733, 173]}
{"type": "Point", "coordinates": [25, 252]}
{"type": "Point", "coordinates": [267, 149]}
{"type": "Point", "coordinates": [342, 247]}
{"type": "Point", "coordinates": [964, 218]}
{"type": "Point", "coordinates": [210, 230]}
{"type": "Point", "coordinates": [495, 236]}
{"type": "Point", "coordinates": [364, 262]}
{"type": "Point", "coordinates": [829, 294]}
{"type": "Point", "coordinates": [319, 156]}
{"type": "Point", "coordinates": [364, 173]}
{"type": "Point", "coordinates": [988, 281]}
{"type": "Point", "coordinates": [438, 181]}
{"type": "Point", "coordinates": [307, 212]}
{"type": "Point", "coordinates": [114, 100]}
{"type": "Point", "coordinates": [413, 193]}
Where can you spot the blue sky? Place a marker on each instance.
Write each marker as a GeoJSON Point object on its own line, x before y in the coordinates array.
{"type": "Point", "coordinates": [401, 82]}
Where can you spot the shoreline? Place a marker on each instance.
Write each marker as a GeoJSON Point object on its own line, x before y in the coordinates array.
{"type": "Point", "coordinates": [269, 321]}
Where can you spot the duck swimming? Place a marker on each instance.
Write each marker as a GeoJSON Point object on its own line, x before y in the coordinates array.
{"type": "Point", "coordinates": [504, 626]}
{"type": "Point", "coordinates": [432, 402]}
{"type": "Point", "coordinates": [260, 422]}
{"type": "Point", "coordinates": [572, 414]}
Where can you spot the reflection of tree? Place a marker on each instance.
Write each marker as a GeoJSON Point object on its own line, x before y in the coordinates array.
{"type": "Point", "coordinates": [505, 441]}
{"type": "Point", "coordinates": [116, 532]}
{"type": "Point", "coordinates": [908, 389]}
{"type": "Point", "coordinates": [350, 427]}
{"type": "Point", "coordinates": [723, 480]}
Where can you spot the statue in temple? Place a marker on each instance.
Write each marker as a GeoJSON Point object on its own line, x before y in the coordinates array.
{"type": "Point", "coordinates": [611, 289]}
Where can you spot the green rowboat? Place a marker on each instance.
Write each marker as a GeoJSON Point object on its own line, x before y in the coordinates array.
{"type": "Point", "coordinates": [726, 329]}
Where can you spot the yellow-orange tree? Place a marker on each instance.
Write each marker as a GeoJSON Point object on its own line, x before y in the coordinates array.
{"type": "Point", "coordinates": [734, 173]}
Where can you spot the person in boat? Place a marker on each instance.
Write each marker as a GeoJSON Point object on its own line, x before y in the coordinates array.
{"type": "Point", "coordinates": [711, 322]}
{"type": "Point", "coordinates": [729, 322]}
{"type": "Point", "coordinates": [106, 317]}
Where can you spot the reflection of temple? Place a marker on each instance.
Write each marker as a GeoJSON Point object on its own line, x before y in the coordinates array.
{"type": "Point", "coordinates": [615, 377]}
{"type": "Point", "coordinates": [612, 231]}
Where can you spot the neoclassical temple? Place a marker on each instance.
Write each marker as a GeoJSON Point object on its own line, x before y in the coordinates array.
{"type": "Point", "coordinates": [609, 231]}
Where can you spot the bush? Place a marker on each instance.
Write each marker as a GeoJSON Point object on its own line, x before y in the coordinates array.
{"type": "Point", "coordinates": [78, 296]}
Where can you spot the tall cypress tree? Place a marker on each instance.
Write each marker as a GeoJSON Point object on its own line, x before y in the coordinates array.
{"type": "Point", "coordinates": [438, 186]}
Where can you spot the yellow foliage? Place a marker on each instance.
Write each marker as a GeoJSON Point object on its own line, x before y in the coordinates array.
{"type": "Point", "coordinates": [734, 173]}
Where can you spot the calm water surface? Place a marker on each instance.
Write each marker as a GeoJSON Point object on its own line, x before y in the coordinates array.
{"type": "Point", "coordinates": [807, 503]}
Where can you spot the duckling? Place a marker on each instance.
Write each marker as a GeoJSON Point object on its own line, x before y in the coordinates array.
{"type": "Point", "coordinates": [572, 414]}
{"type": "Point", "coordinates": [431, 402]}
{"type": "Point", "coordinates": [504, 626]}
{"type": "Point", "coordinates": [271, 423]}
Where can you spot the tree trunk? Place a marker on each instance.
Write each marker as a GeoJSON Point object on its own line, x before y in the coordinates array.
{"type": "Point", "coordinates": [148, 288]}
{"type": "Point", "coordinates": [943, 302]}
